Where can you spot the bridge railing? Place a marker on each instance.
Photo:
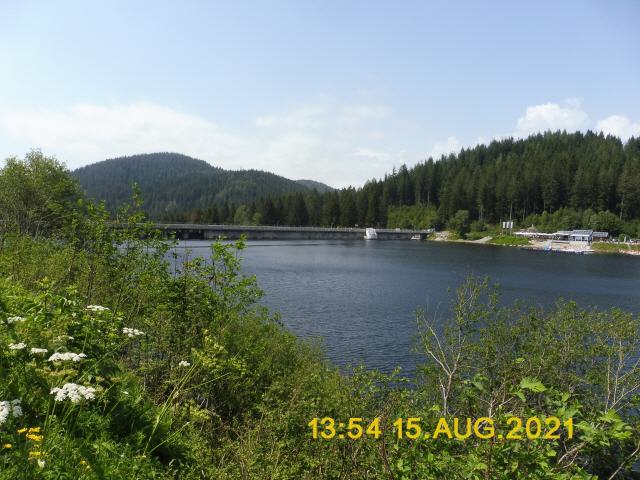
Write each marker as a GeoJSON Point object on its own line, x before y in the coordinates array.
{"type": "Point", "coordinates": [197, 226]}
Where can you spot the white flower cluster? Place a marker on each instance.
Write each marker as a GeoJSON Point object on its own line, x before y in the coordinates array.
{"type": "Point", "coordinates": [73, 392]}
{"type": "Point", "coordinates": [97, 308]}
{"type": "Point", "coordinates": [66, 356]}
{"type": "Point", "coordinates": [17, 346]}
{"type": "Point", "coordinates": [39, 350]}
{"type": "Point", "coordinates": [184, 363]}
{"type": "Point", "coordinates": [15, 319]}
{"type": "Point", "coordinates": [7, 407]}
{"type": "Point", "coordinates": [132, 332]}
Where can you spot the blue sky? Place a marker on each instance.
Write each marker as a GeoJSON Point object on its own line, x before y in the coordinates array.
{"type": "Point", "coordinates": [337, 91]}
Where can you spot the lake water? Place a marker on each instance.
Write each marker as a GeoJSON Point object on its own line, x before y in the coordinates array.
{"type": "Point", "coordinates": [359, 297]}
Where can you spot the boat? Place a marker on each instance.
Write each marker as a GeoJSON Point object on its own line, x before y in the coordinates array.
{"type": "Point", "coordinates": [370, 234]}
{"type": "Point", "coordinates": [416, 237]}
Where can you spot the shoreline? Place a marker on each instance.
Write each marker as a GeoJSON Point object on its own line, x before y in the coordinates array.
{"type": "Point", "coordinates": [576, 248]}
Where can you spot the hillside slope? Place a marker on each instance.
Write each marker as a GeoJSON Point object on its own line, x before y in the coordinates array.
{"type": "Point", "coordinates": [171, 182]}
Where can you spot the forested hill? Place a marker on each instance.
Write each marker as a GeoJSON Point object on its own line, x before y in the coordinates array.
{"type": "Point", "coordinates": [170, 183]}
{"type": "Point", "coordinates": [551, 180]}
{"type": "Point", "coordinates": [312, 184]}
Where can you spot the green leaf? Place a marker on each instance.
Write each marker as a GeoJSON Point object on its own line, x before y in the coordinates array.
{"type": "Point", "coordinates": [533, 384]}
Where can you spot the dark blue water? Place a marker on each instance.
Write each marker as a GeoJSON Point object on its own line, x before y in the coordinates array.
{"type": "Point", "coordinates": [360, 297]}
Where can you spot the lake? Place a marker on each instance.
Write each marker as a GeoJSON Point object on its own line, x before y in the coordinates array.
{"type": "Point", "coordinates": [359, 297]}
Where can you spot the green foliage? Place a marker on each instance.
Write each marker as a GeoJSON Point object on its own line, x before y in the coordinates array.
{"type": "Point", "coordinates": [555, 181]}
{"type": "Point", "coordinates": [193, 379]}
{"type": "Point", "coordinates": [36, 195]}
{"type": "Point", "coordinates": [615, 247]}
{"type": "Point", "coordinates": [459, 223]}
{"type": "Point", "coordinates": [419, 217]}
{"type": "Point", "coordinates": [509, 240]}
{"type": "Point", "coordinates": [173, 184]}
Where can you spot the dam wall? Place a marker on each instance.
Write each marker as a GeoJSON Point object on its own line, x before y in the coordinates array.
{"type": "Point", "coordinates": [261, 232]}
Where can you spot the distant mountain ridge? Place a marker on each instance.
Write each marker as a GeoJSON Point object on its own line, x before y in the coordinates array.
{"type": "Point", "coordinates": [172, 182]}
{"type": "Point", "coordinates": [319, 186]}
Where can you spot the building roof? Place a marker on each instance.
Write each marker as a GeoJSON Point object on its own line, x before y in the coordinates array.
{"type": "Point", "coordinates": [582, 232]}
{"type": "Point", "coordinates": [601, 234]}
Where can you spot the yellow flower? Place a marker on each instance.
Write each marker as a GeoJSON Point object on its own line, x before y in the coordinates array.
{"type": "Point", "coordinates": [22, 430]}
{"type": "Point", "coordinates": [34, 430]}
{"type": "Point", "coordinates": [35, 453]}
{"type": "Point", "coordinates": [7, 445]}
{"type": "Point", "coordinates": [35, 438]}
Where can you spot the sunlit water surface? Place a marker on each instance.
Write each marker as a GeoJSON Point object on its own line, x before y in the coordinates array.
{"type": "Point", "coordinates": [359, 297]}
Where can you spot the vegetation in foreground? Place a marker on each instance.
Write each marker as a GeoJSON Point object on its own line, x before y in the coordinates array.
{"type": "Point", "coordinates": [117, 362]}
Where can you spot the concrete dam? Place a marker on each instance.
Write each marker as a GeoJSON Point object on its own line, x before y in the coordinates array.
{"type": "Point", "coordinates": [185, 231]}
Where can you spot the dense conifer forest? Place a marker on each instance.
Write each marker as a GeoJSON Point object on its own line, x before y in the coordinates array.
{"type": "Point", "coordinates": [555, 180]}
{"type": "Point", "coordinates": [552, 180]}
{"type": "Point", "coordinates": [170, 183]}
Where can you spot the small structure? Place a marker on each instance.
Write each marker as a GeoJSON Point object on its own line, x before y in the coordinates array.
{"type": "Point", "coordinates": [585, 236]}
{"type": "Point", "coordinates": [561, 235]}
{"type": "Point", "coordinates": [600, 236]}
{"type": "Point", "coordinates": [370, 234]}
{"type": "Point", "coordinates": [580, 236]}
{"type": "Point", "coordinates": [572, 236]}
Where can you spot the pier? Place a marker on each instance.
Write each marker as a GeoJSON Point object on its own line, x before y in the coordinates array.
{"type": "Point", "coordinates": [190, 231]}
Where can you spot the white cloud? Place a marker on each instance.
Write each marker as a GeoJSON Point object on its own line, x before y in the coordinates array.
{"type": "Point", "coordinates": [88, 133]}
{"type": "Point", "coordinates": [324, 140]}
{"type": "Point", "coordinates": [450, 145]}
{"type": "Point", "coordinates": [300, 118]}
{"type": "Point", "coordinates": [370, 153]}
{"type": "Point", "coordinates": [551, 116]}
{"type": "Point", "coordinates": [313, 141]}
{"type": "Point", "coordinates": [355, 115]}
{"type": "Point", "coordinates": [620, 126]}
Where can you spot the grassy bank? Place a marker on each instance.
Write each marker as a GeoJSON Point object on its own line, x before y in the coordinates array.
{"type": "Point", "coordinates": [509, 240]}
{"type": "Point", "coordinates": [118, 363]}
{"type": "Point", "coordinates": [614, 247]}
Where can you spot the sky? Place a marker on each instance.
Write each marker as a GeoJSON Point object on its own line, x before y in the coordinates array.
{"type": "Point", "coordinates": [335, 91]}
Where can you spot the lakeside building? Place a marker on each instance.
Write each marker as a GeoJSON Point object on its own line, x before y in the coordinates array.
{"type": "Point", "coordinates": [574, 236]}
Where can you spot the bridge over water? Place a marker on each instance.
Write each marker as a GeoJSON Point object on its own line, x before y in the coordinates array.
{"type": "Point", "coordinates": [193, 231]}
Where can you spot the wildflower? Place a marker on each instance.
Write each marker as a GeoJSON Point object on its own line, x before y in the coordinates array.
{"type": "Point", "coordinates": [13, 408]}
{"type": "Point", "coordinates": [34, 430]}
{"type": "Point", "coordinates": [132, 332]}
{"type": "Point", "coordinates": [39, 350]}
{"type": "Point", "coordinates": [184, 363]}
{"type": "Point", "coordinates": [33, 437]}
{"type": "Point", "coordinates": [17, 346]}
{"type": "Point", "coordinates": [73, 392]}
{"type": "Point", "coordinates": [7, 445]}
{"type": "Point", "coordinates": [22, 430]}
{"type": "Point", "coordinates": [66, 356]}
{"type": "Point", "coordinates": [64, 337]}
{"type": "Point", "coordinates": [97, 308]}
{"type": "Point", "coordinates": [41, 463]}
{"type": "Point", "coordinates": [15, 319]}
{"type": "Point", "coordinates": [35, 453]}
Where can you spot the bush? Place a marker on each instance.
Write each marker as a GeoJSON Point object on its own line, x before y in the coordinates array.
{"type": "Point", "coordinates": [163, 365]}
{"type": "Point", "coordinates": [459, 223]}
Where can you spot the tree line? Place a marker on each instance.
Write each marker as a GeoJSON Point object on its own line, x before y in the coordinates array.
{"type": "Point", "coordinates": [528, 180]}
